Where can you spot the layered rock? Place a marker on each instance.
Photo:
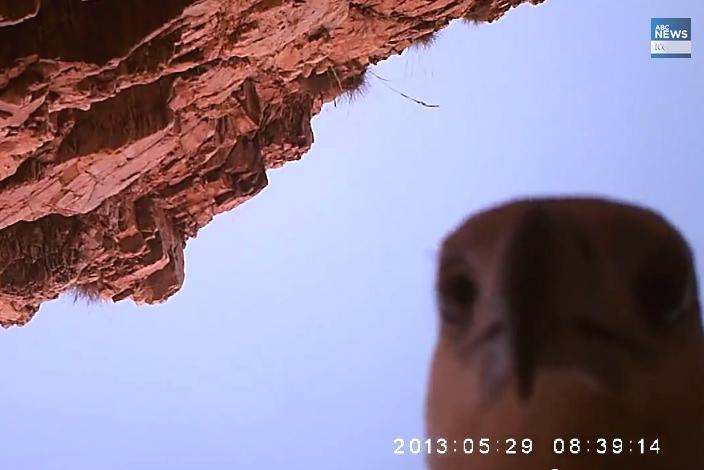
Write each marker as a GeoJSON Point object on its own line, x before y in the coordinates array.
{"type": "Point", "coordinates": [125, 126]}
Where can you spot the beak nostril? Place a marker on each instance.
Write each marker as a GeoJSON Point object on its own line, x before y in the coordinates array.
{"type": "Point", "coordinates": [596, 331]}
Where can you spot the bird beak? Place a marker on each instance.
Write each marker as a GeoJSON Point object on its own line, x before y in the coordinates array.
{"type": "Point", "coordinates": [538, 284]}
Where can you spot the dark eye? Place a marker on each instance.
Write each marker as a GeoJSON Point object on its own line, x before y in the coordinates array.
{"type": "Point", "coordinates": [457, 294]}
{"type": "Point", "coordinates": [663, 283]}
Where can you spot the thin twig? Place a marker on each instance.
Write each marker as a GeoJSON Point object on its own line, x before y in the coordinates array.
{"type": "Point", "coordinates": [415, 100]}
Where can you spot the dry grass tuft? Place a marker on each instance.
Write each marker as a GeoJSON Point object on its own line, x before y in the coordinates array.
{"type": "Point", "coordinates": [355, 87]}
{"type": "Point", "coordinates": [427, 41]}
{"type": "Point", "coordinates": [88, 293]}
{"type": "Point", "coordinates": [471, 21]}
{"type": "Point", "coordinates": [328, 85]}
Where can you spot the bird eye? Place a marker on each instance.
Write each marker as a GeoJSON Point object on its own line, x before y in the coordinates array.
{"type": "Point", "coordinates": [457, 293]}
{"type": "Point", "coordinates": [663, 283]}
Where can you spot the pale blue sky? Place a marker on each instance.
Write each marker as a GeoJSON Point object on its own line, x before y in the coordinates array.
{"type": "Point", "coordinates": [302, 335]}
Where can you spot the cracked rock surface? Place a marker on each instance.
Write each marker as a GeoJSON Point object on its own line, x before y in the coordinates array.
{"type": "Point", "coordinates": [125, 125]}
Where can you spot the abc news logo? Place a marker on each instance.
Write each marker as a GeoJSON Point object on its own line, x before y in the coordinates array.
{"type": "Point", "coordinates": [670, 38]}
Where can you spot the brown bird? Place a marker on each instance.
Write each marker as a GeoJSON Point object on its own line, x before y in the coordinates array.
{"type": "Point", "coordinates": [570, 328]}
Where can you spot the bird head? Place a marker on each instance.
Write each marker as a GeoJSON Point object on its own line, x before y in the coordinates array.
{"type": "Point", "coordinates": [549, 296]}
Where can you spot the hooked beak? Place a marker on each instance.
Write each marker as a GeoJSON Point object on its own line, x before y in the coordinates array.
{"type": "Point", "coordinates": [547, 298]}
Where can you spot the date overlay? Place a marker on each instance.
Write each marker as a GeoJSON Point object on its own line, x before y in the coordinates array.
{"type": "Point", "coordinates": [525, 446]}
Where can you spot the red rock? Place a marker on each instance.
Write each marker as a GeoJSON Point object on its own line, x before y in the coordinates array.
{"type": "Point", "coordinates": [125, 126]}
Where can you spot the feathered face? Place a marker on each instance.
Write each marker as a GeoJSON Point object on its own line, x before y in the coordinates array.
{"type": "Point", "coordinates": [543, 299]}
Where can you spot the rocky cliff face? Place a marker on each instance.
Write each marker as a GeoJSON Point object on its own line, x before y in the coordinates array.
{"type": "Point", "coordinates": [125, 125]}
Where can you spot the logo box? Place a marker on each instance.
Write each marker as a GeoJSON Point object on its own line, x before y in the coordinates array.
{"type": "Point", "coordinates": [670, 38]}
